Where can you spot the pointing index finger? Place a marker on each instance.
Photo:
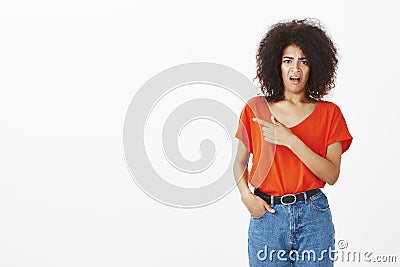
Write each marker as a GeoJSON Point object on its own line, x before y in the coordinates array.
{"type": "Point", "coordinates": [262, 122]}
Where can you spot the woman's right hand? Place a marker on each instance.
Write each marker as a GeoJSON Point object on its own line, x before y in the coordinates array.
{"type": "Point", "coordinates": [256, 205]}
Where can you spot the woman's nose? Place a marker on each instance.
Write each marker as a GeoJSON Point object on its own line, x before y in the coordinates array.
{"type": "Point", "coordinates": [295, 67]}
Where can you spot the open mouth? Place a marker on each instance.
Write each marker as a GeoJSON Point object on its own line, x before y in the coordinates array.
{"type": "Point", "coordinates": [292, 78]}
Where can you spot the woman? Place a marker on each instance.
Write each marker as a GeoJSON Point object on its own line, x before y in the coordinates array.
{"type": "Point", "coordinates": [296, 140]}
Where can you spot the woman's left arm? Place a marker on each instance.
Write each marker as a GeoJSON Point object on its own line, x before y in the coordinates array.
{"type": "Point", "coordinates": [327, 169]}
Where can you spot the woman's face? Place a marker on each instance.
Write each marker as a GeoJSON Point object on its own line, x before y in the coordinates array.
{"type": "Point", "coordinates": [295, 69]}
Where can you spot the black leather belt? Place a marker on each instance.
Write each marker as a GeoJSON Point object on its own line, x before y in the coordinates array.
{"type": "Point", "coordinates": [286, 199]}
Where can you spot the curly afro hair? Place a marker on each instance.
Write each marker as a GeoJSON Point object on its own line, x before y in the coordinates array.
{"type": "Point", "coordinates": [309, 35]}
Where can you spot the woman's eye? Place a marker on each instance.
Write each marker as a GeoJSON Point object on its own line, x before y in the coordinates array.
{"type": "Point", "coordinates": [287, 61]}
{"type": "Point", "coordinates": [304, 62]}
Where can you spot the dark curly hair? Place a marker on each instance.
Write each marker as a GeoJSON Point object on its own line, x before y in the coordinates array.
{"type": "Point", "coordinates": [317, 46]}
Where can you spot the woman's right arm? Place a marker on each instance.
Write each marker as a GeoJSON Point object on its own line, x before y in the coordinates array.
{"type": "Point", "coordinates": [253, 203]}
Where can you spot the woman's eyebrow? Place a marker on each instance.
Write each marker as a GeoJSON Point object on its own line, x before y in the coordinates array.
{"type": "Point", "coordinates": [300, 58]}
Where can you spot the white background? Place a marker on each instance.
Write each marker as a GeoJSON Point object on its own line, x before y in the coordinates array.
{"type": "Point", "coordinates": [68, 71]}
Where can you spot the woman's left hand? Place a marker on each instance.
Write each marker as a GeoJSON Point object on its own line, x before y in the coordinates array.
{"type": "Point", "coordinates": [276, 132]}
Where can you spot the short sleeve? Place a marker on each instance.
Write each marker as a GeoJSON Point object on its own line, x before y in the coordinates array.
{"type": "Point", "coordinates": [244, 130]}
{"type": "Point", "coordinates": [338, 130]}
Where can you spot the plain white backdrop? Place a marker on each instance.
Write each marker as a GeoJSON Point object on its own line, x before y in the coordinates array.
{"type": "Point", "coordinates": [68, 71]}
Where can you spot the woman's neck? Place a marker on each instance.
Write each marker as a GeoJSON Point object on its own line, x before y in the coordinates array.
{"type": "Point", "coordinates": [295, 98]}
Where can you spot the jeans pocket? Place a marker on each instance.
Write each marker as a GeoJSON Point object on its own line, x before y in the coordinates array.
{"type": "Point", "coordinates": [319, 202]}
{"type": "Point", "coordinates": [262, 216]}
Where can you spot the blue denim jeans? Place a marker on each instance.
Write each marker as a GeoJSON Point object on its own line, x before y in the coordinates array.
{"type": "Point", "coordinates": [300, 234]}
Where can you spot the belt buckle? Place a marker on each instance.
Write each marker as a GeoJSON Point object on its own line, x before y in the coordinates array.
{"type": "Point", "coordinates": [288, 203]}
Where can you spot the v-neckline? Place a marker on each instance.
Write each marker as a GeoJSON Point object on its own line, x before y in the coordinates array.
{"type": "Point", "coordinates": [300, 122]}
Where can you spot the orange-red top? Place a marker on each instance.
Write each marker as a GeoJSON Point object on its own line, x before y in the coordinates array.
{"type": "Point", "coordinates": [276, 170]}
